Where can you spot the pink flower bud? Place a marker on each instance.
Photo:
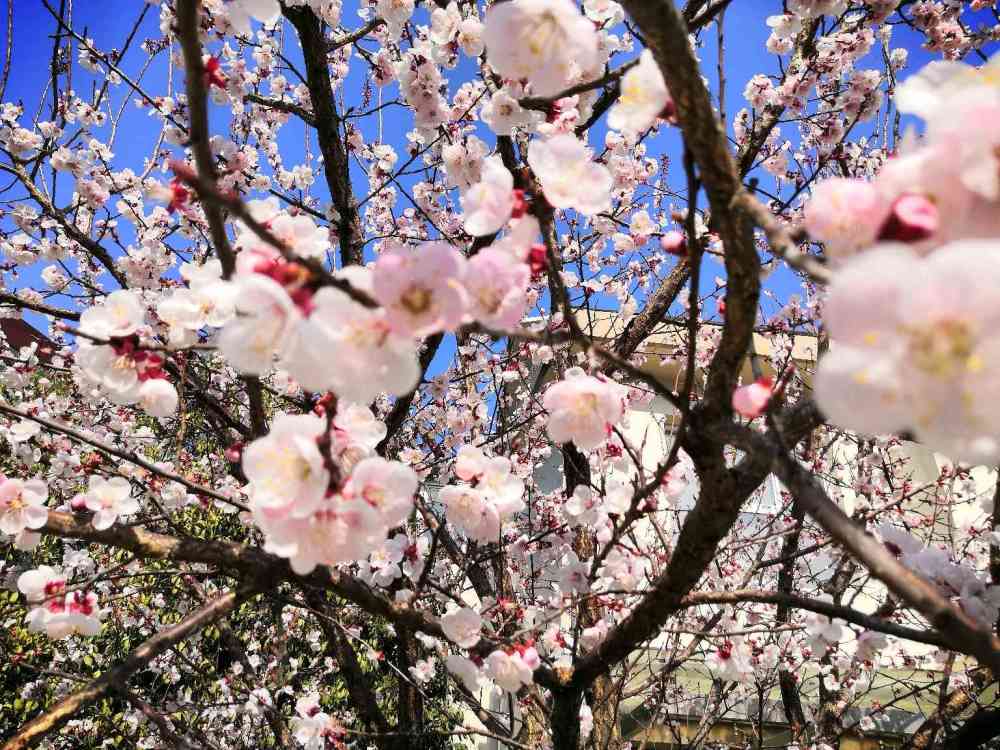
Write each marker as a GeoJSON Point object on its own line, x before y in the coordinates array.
{"type": "Point", "coordinates": [234, 453]}
{"type": "Point", "coordinates": [912, 218]}
{"type": "Point", "coordinates": [674, 242]}
{"type": "Point", "coordinates": [751, 400]}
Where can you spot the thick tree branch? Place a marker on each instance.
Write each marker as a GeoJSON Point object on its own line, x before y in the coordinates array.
{"type": "Point", "coordinates": [667, 36]}
{"type": "Point", "coordinates": [336, 165]}
{"type": "Point", "coordinates": [194, 83]}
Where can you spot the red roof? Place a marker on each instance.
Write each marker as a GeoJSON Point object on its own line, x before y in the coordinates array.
{"type": "Point", "coordinates": [18, 334]}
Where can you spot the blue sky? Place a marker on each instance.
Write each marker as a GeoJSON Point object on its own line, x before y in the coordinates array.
{"type": "Point", "coordinates": [108, 23]}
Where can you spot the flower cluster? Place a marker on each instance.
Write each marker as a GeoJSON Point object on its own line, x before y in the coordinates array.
{"type": "Point", "coordinates": [311, 510]}
{"type": "Point", "coordinates": [912, 316]}
{"type": "Point", "coordinates": [112, 358]}
{"type": "Point", "coordinates": [489, 495]}
{"type": "Point", "coordinates": [583, 409]}
{"type": "Point", "coordinates": [56, 612]}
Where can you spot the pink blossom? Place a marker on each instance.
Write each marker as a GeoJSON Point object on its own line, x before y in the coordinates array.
{"type": "Point", "coordinates": [77, 614]}
{"type": "Point", "coordinates": [489, 203]}
{"type": "Point", "coordinates": [264, 325]}
{"type": "Point", "coordinates": [242, 11]}
{"type": "Point", "coordinates": [509, 671]}
{"type": "Point", "coordinates": [371, 357]}
{"type": "Point", "coordinates": [568, 175]}
{"type": "Point", "coordinates": [674, 242]}
{"type": "Point", "coordinates": [496, 285]}
{"type": "Point", "coordinates": [912, 218]}
{"type": "Point", "coordinates": [158, 397]}
{"type": "Point", "coordinates": [915, 347]}
{"type": "Point", "coordinates": [285, 468]}
{"type": "Point", "coordinates": [644, 97]}
{"type": "Point", "coordinates": [387, 486]}
{"type": "Point", "coordinates": [462, 626]}
{"type": "Point", "coordinates": [109, 499]}
{"type": "Point", "coordinates": [582, 409]}
{"type": "Point", "coordinates": [472, 511]}
{"type": "Point", "coordinates": [421, 290]}
{"type": "Point", "coordinates": [729, 660]}
{"type": "Point", "coordinates": [118, 316]}
{"type": "Point", "coordinates": [336, 532]}
{"type": "Point", "coordinates": [845, 215]}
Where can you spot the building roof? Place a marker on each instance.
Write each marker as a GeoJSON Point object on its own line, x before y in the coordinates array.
{"type": "Point", "coordinates": [17, 333]}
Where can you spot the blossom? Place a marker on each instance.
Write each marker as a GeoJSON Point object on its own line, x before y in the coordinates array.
{"type": "Point", "coordinates": [395, 13]}
{"type": "Point", "coordinates": [823, 632]}
{"type": "Point", "coordinates": [421, 291]}
{"type": "Point", "coordinates": [545, 42]}
{"type": "Point", "coordinates": [41, 583]}
{"type": "Point", "coordinates": [489, 203]}
{"type": "Point", "coordinates": [23, 430]}
{"type": "Point", "coordinates": [387, 486]}
{"type": "Point", "coordinates": [57, 613]}
{"type": "Point", "coordinates": [912, 218]}
{"type": "Point", "coordinates": [304, 517]}
{"type": "Point", "coordinates": [674, 242]}
{"type": "Point", "coordinates": [208, 301]}
{"type": "Point", "coordinates": [77, 614]}
{"type": "Point", "coordinates": [582, 409]}
{"type": "Point", "coordinates": [573, 574]}
{"type": "Point", "coordinates": [520, 238]}
{"type": "Point", "coordinates": [730, 661]}
{"type": "Point", "coordinates": [371, 358]}
{"type": "Point", "coordinates": [869, 645]}
{"type": "Point", "coordinates": [158, 397]}
{"type": "Point", "coordinates": [932, 93]}
{"type": "Point", "coordinates": [120, 315]}
{"type": "Point", "coordinates": [298, 233]}
{"type": "Point", "coordinates": [463, 162]}
{"type": "Point", "coordinates": [108, 499]}
{"type": "Point", "coordinates": [313, 728]}
{"type": "Point", "coordinates": [496, 286]}
{"type": "Point", "coordinates": [285, 468]}
{"type": "Point", "coordinates": [241, 11]}
{"type": "Point", "coordinates": [915, 347]}
{"type": "Point", "coordinates": [503, 113]}
{"type": "Point", "coordinates": [264, 324]}
{"type": "Point", "coordinates": [472, 511]}
{"type": "Point", "coordinates": [22, 504]}
{"type": "Point", "coordinates": [462, 626]}
{"type": "Point", "coordinates": [466, 670]}
{"type": "Point", "coordinates": [336, 532]}
{"type": "Point", "coordinates": [512, 670]}
{"type": "Point", "coordinates": [568, 176]}
{"type": "Point", "coordinates": [845, 214]}
{"type": "Point", "coordinates": [384, 561]}
{"type": "Point", "coordinates": [644, 97]}
{"type": "Point", "coordinates": [751, 400]}
{"type": "Point", "coordinates": [495, 494]}
{"type": "Point", "coordinates": [356, 433]}
{"type": "Point", "coordinates": [423, 670]}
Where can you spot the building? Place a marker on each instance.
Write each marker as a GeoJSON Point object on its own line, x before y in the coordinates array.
{"type": "Point", "coordinates": [650, 431]}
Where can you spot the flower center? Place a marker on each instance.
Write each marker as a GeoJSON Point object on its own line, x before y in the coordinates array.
{"type": "Point", "coordinates": [416, 300]}
{"type": "Point", "coordinates": [15, 503]}
{"type": "Point", "coordinates": [541, 37]}
{"type": "Point", "coordinates": [945, 351]}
